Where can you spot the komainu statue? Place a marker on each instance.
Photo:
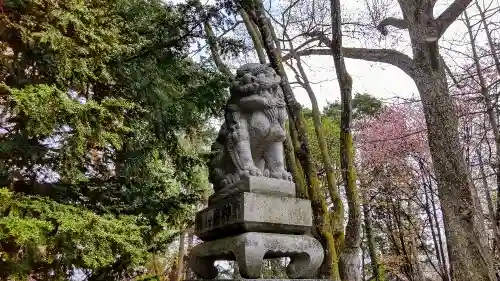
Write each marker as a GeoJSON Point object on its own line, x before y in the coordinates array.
{"type": "Point", "coordinates": [250, 142]}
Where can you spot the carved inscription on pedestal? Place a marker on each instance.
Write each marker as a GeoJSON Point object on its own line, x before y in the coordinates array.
{"type": "Point", "coordinates": [219, 215]}
{"type": "Point", "coordinates": [254, 212]}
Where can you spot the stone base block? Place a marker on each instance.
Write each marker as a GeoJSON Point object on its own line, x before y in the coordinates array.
{"type": "Point", "coordinates": [264, 185]}
{"type": "Point", "coordinates": [254, 212]}
{"type": "Point", "coordinates": [250, 249]}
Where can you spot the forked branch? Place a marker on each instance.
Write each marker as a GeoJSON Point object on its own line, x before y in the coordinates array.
{"type": "Point", "coordinates": [440, 24]}
{"type": "Point", "coordinates": [451, 14]}
{"type": "Point", "coordinates": [391, 21]}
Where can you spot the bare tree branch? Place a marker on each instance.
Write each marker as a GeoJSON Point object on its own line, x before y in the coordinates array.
{"type": "Point", "coordinates": [388, 56]}
{"type": "Point", "coordinates": [450, 73]}
{"type": "Point", "coordinates": [451, 14]}
{"type": "Point", "coordinates": [305, 43]}
{"type": "Point", "coordinates": [398, 23]}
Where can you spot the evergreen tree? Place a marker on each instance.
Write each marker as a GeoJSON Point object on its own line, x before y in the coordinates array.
{"type": "Point", "coordinates": [98, 101]}
{"type": "Point", "coordinates": [363, 105]}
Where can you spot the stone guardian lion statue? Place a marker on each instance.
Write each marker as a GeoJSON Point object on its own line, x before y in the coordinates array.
{"type": "Point", "coordinates": [250, 141]}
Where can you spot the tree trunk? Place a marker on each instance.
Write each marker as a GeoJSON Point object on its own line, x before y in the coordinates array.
{"type": "Point", "coordinates": [400, 234]}
{"type": "Point", "coordinates": [337, 216]}
{"type": "Point", "coordinates": [378, 270]}
{"type": "Point", "coordinates": [180, 257]}
{"type": "Point", "coordinates": [438, 226]}
{"type": "Point", "coordinates": [491, 43]}
{"type": "Point", "coordinates": [350, 258]}
{"type": "Point", "coordinates": [291, 163]}
{"type": "Point", "coordinates": [363, 262]}
{"type": "Point", "coordinates": [417, 268]}
{"type": "Point", "coordinates": [470, 259]}
{"type": "Point", "coordinates": [255, 35]}
{"type": "Point", "coordinates": [188, 272]}
{"type": "Point", "coordinates": [214, 49]}
{"type": "Point", "coordinates": [321, 216]}
{"type": "Point", "coordinates": [431, 218]}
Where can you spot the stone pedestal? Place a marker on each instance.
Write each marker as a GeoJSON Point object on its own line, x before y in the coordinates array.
{"type": "Point", "coordinates": [249, 227]}
{"type": "Point", "coordinates": [249, 249]}
{"type": "Point", "coordinates": [254, 212]}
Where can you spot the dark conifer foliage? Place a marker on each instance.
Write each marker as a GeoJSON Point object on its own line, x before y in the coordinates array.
{"type": "Point", "coordinates": [101, 113]}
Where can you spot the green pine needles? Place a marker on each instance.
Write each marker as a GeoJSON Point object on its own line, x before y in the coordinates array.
{"type": "Point", "coordinates": [103, 124]}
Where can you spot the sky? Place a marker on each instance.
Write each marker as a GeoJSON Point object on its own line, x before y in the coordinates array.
{"type": "Point", "coordinates": [383, 81]}
{"type": "Point", "coordinates": [380, 80]}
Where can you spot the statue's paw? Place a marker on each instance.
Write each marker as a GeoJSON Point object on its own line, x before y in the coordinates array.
{"type": "Point", "coordinates": [277, 175]}
{"type": "Point", "coordinates": [266, 173]}
{"type": "Point", "coordinates": [251, 171]}
{"type": "Point", "coordinates": [281, 175]}
{"type": "Point", "coordinates": [255, 171]}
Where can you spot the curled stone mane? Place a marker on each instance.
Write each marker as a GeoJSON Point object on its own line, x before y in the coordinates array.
{"type": "Point", "coordinates": [250, 80]}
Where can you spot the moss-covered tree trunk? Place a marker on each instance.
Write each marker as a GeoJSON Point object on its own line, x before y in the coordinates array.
{"type": "Point", "coordinates": [329, 269]}
{"type": "Point", "coordinates": [350, 258]}
{"type": "Point", "coordinates": [337, 216]}
{"type": "Point", "coordinates": [291, 161]}
{"type": "Point", "coordinates": [254, 33]}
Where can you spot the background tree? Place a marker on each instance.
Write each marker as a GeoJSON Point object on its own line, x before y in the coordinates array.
{"type": "Point", "coordinates": [426, 69]}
